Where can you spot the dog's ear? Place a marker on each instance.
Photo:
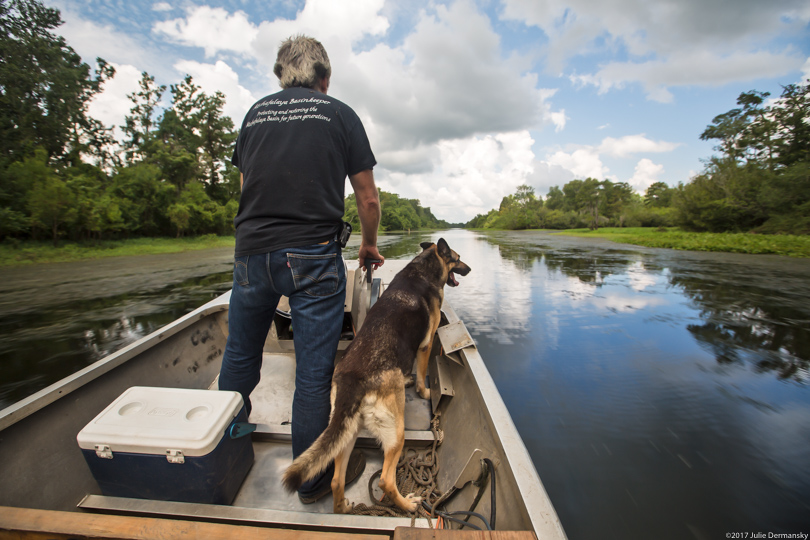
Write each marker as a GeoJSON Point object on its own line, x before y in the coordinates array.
{"type": "Point", "coordinates": [444, 249]}
{"type": "Point", "coordinates": [426, 245]}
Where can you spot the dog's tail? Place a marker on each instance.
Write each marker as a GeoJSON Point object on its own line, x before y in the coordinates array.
{"type": "Point", "coordinates": [339, 433]}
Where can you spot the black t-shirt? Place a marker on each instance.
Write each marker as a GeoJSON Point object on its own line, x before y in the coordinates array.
{"type": "Point", "coordinates": [295, 149]}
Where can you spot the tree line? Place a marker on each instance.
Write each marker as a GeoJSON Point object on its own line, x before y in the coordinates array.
{"type": "Point", "coordinates": [398, 214]}
{"type": "Point", "coordinates": [587, 203]}
{"type": "Point", "coordinates": [65, 175]}
{"type": "Point", "coordinates": [759, 182]}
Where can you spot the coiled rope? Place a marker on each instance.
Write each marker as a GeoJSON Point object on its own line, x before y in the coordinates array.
{"type": "Point", "coordinates": [417, 473]}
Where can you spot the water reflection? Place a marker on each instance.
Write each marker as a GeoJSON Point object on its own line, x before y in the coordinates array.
{"type": "Point", "coordinates": [635, 377]}
{"type": "Point", "coordinates": [750, 322]}
{"type": "Point", "coordinates": [742, 319]}
{"type": "Point", "coordinates": [41, 346]}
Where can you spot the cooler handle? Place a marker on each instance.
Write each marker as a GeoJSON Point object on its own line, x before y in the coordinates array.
{"type": "Point", "coordinates": [240, 429]}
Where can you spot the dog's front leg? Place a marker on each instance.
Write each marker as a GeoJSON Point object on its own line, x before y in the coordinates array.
{"type": "Point", "coordinates": [422, 357]}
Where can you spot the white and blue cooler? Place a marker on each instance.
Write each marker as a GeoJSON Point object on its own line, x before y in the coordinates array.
{"type": "Point", "coordinates": [170, 444]}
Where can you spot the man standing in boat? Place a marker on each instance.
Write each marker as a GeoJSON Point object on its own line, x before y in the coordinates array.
{"type": "Point", "coordinates": [294, 151]}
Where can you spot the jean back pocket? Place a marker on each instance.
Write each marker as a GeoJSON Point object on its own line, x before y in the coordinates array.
{"type": "Point", "coordinates": [316, 275]}
{"type": "Point", "coordinates": [240, 270]}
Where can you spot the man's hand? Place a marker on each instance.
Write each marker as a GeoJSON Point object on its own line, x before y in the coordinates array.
{"type": "Point", "coordinates": [370, 252]}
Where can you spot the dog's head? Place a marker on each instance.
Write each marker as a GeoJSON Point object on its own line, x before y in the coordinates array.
{"type": "Point", "coordinates": [450, 260]}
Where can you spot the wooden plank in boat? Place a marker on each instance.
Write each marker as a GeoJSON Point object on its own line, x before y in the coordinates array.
{"type": "Point", "coordinates": [31, 524]}
{"type": "Point", "coordinates": [407, 533]}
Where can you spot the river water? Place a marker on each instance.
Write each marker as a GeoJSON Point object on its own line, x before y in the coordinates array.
{"type": "Point", "coordinates": [661, 394]}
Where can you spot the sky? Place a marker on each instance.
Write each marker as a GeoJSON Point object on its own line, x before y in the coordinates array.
{"type": "Point", "coordinates": [465, 100]}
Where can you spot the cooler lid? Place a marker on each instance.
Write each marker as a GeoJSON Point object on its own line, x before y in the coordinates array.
{"type": "Point", "coordinates": [148, 420]}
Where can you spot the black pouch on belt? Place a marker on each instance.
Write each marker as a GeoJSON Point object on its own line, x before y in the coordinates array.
{"type": "Point", "coordinates": [344, 234]}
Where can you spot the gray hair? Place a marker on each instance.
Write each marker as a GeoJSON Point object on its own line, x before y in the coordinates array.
{"type": "Point", "coordinates": [301, 61]}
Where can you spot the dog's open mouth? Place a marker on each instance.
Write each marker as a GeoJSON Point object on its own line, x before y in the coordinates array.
{"type": "Point", "coordinates": [451, 280]}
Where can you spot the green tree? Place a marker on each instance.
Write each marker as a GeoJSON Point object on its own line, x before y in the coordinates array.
{"type": "Point", "coordinates": [617, 198]}
{"type": "Point", "coordinates": [658, 195]}
{"type": "Point", "coordinates": [521, 210]}
{"type": "Point", "coordinates": [217, 136]}
{"type": "Point", "coordinates": [728, 196]}
{"type": "Point", "coordinates": [792, 116]}
{"type": "Point", "coordinates": [585, 196]}
{"type": "Point", "coordinates": [144, 199]}
{"type": "Point", "coordinates": [734, 128]}
{"type": "Point", "coordinates": [19, 179]}
{"type": "Point", "coordinates": [51, 202]}
{"type": "Point", "coordinates": [761, 180]}
{"type": "Point", "coordinates": [196, 139]}
{"type": "Point", "coordinates": [139, 125]}
{"type": "Point", "coordinates": [44, 86]}
{"type": "Point", "coordinates": [555, 199]}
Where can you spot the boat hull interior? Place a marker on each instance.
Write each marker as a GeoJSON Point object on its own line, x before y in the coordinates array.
{"type": "Point", "coordinates": [42, 467]}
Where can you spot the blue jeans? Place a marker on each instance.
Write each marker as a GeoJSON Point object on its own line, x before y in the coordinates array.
{"type": "Point", "coordinates": [314, 279]}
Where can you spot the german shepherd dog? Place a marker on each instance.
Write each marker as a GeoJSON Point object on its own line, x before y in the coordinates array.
{"type": "Point", "coordinates": [368, 386]}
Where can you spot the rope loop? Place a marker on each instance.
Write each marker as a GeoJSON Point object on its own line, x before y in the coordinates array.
{"type": "Point", "coordinates": [417, 472]}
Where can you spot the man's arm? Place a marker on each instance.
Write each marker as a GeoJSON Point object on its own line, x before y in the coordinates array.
{"type": "Point", "coordinates": [368, 208]}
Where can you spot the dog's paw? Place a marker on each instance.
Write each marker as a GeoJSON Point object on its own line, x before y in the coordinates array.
{"type": "Point", "coordinates": [424, 392]}
{"type": "Point", "coordinates": [343, 507]}
{"type": "Point", "coordinates": [412, 502]}
{"type": "Point", "coordinates": [410, 381]}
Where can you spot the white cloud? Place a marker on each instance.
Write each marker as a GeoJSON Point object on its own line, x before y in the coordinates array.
{"type": "Point", "coordinates": [445, 82]}
{"type": "Point", "coordinates": [220, 77]}
{"type": "Point", "coordinates": [336, 24]}
{"type": "Point", "coordinates": [112, 104]}
{"type": "Point", "coordinates": [646, 174]}
{"type": "Point", "coordinates": [84, 37]}
{"type": "Point", "coordinates": [669, 42]}
{"type": "Point", "coordinates": [212, 29]}
{"type": "Point", "coordinates": [547, 175]}
{"type": "Point", "coordinates": [468, 176]}
{"type": "Point", "coordinates": [690, 68]}
{"type": "Point", "coordinates": [660, 27]}
{"type": "Point", "coordinates": [558, 119]}
{"type": "Point", "coordinates": [633, 144]}
{"type": "Point", "coordinates": [162, 6]}
{"type": "Point", "coordinates": [583, 163]}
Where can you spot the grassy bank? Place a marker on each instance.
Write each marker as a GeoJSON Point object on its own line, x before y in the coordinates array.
{"type": "Point", "coordinates": [29, 252]}
{"type": "Point", "coordinates": [790, 245]}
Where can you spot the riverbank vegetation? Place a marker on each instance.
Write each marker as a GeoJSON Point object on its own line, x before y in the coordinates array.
{"type": "Point", "coordinates": [20, 253]}
{"type": "Point", "coordinates": [674, 238]}
{"type": "Point", "coordinates": [759, 182]}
